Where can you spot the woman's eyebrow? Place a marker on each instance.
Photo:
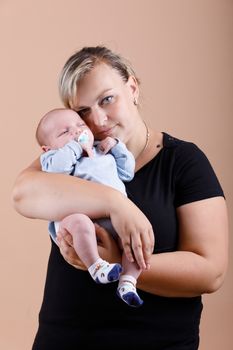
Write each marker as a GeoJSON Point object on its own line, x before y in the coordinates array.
{"type": "Point", "coordinates": [102, 93]}
{"type": "Point", "coordinates": [81, 108]}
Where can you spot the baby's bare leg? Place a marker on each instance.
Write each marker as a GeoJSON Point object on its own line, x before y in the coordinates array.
{"type": "Point", "coordinates": [130, 268]}
{"type": "Point", "coordinates": [82, 231]}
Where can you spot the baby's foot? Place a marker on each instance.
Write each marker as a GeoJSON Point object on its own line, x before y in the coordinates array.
{"type": "Point", "coordinates": [103, 272]}
{"type": "Point", "coordinates": [128, 293]}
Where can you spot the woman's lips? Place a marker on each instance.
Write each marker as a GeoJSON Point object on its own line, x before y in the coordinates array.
{"type": "Point", "coordinates": [109, 131]}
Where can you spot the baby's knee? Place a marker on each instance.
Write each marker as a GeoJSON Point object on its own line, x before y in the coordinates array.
{"type": "Point", "coordinates": [76, 222]}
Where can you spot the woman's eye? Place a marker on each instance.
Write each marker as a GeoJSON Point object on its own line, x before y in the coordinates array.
{"type": "Point", "coordinates": [107, 99]}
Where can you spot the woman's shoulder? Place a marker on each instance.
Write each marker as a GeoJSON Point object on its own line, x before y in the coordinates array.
{"type": "Point", "coordinates": [182, 150]}
{"type": "Point", "coordinates": [170, 141]}
{"type": "Point", "coordinates": [186, 154]}
{"type": "Point", "coordinates": [194, 175]}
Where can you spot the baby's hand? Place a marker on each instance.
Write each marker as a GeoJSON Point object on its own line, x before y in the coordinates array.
{"type": "Point", "coordinates": [106, 144]}
{"type": "Point", "coordinates": [84, 141]}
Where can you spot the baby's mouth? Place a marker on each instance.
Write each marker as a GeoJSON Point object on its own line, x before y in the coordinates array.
{"type": "Point", "coordinates": [83, 137]}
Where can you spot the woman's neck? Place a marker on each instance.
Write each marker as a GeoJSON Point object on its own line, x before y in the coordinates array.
{"type": "Point", "coordinates": [138, 138]}
{"type": "Point", "coordinates": [153, 143]}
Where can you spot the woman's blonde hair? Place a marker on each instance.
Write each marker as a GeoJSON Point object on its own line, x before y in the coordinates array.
{"type": "Point", "coordinates": [82, 62]}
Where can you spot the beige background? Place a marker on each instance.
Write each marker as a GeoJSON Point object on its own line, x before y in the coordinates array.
{"type": "Point", "coordinates": [183, 52]}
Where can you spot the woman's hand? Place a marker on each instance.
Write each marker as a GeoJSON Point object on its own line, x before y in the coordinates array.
{"type": "Point", "coordinates": [107, 247]}
{"type": "Point", "coordinates": [65, 243]}
{"type": "Point", "coordinates": [134, 229]}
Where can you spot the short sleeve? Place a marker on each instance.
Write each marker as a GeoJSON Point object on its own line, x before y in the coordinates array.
{"type": "Point", "coordinates": [195, 178]}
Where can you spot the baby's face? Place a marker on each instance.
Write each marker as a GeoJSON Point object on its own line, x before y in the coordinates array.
{"type": "Point", "coordinates": [64, 127]}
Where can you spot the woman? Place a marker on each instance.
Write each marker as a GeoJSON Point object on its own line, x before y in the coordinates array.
{"type": "Point", "coordinates": [174, 186]}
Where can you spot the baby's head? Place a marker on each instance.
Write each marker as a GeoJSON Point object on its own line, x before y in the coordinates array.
{"type": "Point", "coordinates": [60, 126]}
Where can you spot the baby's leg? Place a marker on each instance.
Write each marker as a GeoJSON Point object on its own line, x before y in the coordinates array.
{"type": "Point", "coordinates": [82, 231]}
{"type": "Point", "coordinates": [127, 284]}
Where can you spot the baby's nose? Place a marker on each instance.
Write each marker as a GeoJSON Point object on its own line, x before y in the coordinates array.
{"type": "Point", "coordinates": [75, 131]}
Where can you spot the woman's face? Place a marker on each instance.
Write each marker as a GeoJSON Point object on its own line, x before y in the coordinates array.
{"type": "Point", "coordinates": [105, 102]}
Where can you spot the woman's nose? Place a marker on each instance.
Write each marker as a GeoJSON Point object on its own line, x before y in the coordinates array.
{"type": "Point", "coordinates": [99, 117]}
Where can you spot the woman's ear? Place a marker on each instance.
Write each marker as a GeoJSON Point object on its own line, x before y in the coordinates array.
{"type": "Point", "coordinates": [134, 88]}
{"type": "Point", "coordinates": [45, 148]}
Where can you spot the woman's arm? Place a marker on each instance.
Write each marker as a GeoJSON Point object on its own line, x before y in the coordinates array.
{"type": "Point", "coordinates": [47, 196]}
{"type": "Point", "coordinates": [200, 264]}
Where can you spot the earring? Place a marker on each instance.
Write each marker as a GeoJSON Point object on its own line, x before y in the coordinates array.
{"type": "Point", "coordinates": [135, 101]}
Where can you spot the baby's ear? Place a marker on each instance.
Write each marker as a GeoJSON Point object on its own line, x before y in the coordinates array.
{"type": "Point", "coordinates": [45, 148]}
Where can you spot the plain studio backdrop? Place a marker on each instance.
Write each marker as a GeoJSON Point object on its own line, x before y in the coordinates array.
{"type": "Point", "coordinates": [182, 51]}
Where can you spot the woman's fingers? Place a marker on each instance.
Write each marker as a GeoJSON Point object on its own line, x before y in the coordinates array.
{"type": "Point", "coordinates": [66, 236]}
{"type": "Point", "coordinates": [140, 248]}
{"type": "Point", "coordinates": [137, 246]}
{"type": "Point", "coordinates": [148, 247]}
{"type": "Point", "coordinates": [128, 251]}
{"type": "Point", "coordinates": [67, 251]}
{"type": "Point", "coordinates": [152, 240]}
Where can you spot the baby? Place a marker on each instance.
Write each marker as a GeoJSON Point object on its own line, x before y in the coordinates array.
{"type": "Point", "coordinates": [69, 148]}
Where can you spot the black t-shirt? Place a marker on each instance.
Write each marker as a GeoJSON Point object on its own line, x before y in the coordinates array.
{"type": "Point", "coordinates": [77, 312]}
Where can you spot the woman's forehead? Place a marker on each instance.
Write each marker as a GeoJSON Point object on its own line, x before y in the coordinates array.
{"type": "Point", "coordinates": [97, 82]}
